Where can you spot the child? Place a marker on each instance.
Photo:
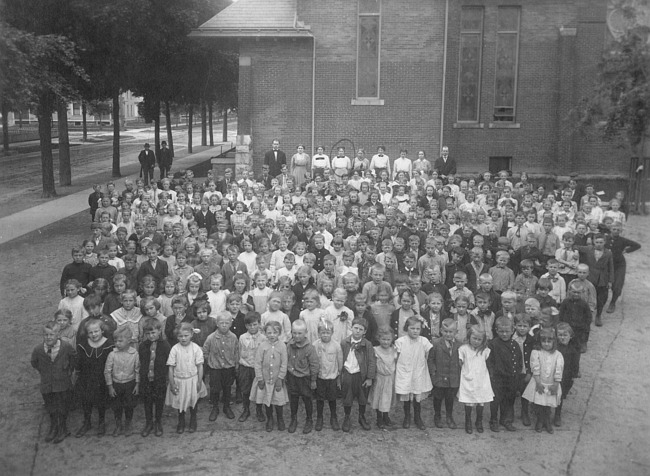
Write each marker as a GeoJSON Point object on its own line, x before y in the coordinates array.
{"type": "Point", "coordinates": [589, 291]}
{"type": "Point", "coordinates": [275, 314]}
{"type": "Point", "coordinates": [230, 269]}
{"type": "Point", "coordinates": [93, 306]}
{"type": "Point", "coordinates": [260, 294]}
{"type": "Point", "coordinates": [92, 354]}
{"type": "Point", "coordinates": [73, 302]}
{"type": "Point", "coordinates": [462, 317]}
{"type": "Point", "coordinates": [459, 289]}
{"type": "Point", "coordinates": [289, 305]}
{"type": "Point", "coordinates": [558, 291]}
{"type": "Point", "coordinates": [289, 269]}
{"type": "Point", "coordinates": [412, 380]}
{"type": "Point", "coordinates": [330, 357]}
{"type": "Point", "coordinates": [544, 390]}
{"type": "Point", "coordinates": [180, 272]}
{"type": "Point", "coordinates": [270, 370]}
{"type": "Point", "coordinates": [66, 332]}
{"type": "Point", "coordinates": [526, 342]}
{"type": "Point", "coordinates": [503, 278]}
{"type": "Point", "coordinates": [504, 363]}
{"type": "Point", "coordinates": [217, 296]}
{"type": "Point", "coordinates": [377, 278]}
{"type": "Point", "coordinates": [203, 324]}
{"type": "Point", "coordinates": [122, 374]}
{"type": "Point", "coordinates": [526, 280]}
{"type": "Point", "coordinates": [77, 270]}
{"type": "Point", "coordinates": [221, 353]}
{"type": "Point", "coordinates": [482, 315]}
{"type": "Point", "coordinates": [444, 368]}
{"type": "Point", "coordinates": [570, 351]}
{"type": "Point", "coordinates": [128, 316]}
{"type": "Point", "coordinates": [55, 360]}
{"type": "Point", "coordinates": [312, 315]}
{"type": "Point", "coordinates": [575, 312]}
{"type": "Point", "coordinates": [359, 370]}
{"type": "Point", "coordinates": [302, 371]}
{"type": "Point", "coordinates": [186, 385]}
{"type": "Point", "coordinates": [433, 315]}
{"type": "Point", "coordinates": [168, 290]}
{"type": "Point", "coordinates": [340, 315]}
{"type": "Point", "coordinates": [382, 392]}
{"type": "Point", "coordinates": [249, 342]}
{"type": "Point", "coordinates": [400, 316]}
{"type": "Point", "coordinates": [153, 353]}
{"type": "Point", "coordinates": [475, 386]}
{"type": "Point", "coordinates": [544, 287]}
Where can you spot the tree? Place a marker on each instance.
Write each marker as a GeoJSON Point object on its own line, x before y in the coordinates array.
{"type": "Point", "coordinates": [619, 105]}
{"type": "Point", "coordinates": [43, 64]}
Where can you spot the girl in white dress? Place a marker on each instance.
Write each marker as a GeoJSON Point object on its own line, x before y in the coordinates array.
{"type": "Point", "coordinates": [544, 390]}
{"type": "Point", "coordinates": [475, 387]}
{"type": "Point", "coordinates": [186, 385]}
{"type": "Point", "coordinates": [412, 379]}
{"type": "Point", "coordinates": [382, 393]}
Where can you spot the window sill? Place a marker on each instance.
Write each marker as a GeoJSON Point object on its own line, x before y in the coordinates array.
{"type": "Point", "coordinates": [504, 125]}
{"type": "Point", "coordinates": [468, 125]}
{"type": "Point", "coordinates": [367, 102]}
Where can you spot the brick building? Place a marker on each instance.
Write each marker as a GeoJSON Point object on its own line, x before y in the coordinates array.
{"type": "Point", "coordinates": [492, 79]}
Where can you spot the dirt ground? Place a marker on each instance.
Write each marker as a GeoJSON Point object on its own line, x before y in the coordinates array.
{"type": "Point", "coordinates": [606, 419]}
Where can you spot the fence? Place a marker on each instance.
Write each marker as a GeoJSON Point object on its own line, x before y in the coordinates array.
{"type": "Point", "coordinates": [24, 134]}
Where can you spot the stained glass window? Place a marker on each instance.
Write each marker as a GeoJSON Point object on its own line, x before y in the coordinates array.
{"type": "Point", "coordinates": [368, 48]}
{"type": "Point", "coordinates": [469, 71]}
{"type": "Point", "coordinates": [507, 58]}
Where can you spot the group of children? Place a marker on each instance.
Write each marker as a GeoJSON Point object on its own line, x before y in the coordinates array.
{"type": "Point", "coordinates": [333, 290]}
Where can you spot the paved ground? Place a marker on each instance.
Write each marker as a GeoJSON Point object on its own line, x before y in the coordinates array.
{"type": "Point", "coordinates": [606, 430]}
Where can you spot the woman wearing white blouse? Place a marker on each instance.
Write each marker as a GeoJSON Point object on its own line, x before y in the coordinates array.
{"type": "Point", "coordinates": [319, 162]}
{"type": "Point", "coordinates": [403, 164]}
{"type": "Point", "coordinates": [380, 161]}
{"type": "Point", "coordinates": [341, 164]}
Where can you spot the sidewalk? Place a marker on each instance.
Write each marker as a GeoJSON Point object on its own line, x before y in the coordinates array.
{"type": "Point", "coordinates": [31, 219]}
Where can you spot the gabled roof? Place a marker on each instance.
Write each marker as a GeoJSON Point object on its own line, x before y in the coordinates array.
{"type": "Point", "coordinates": [255, 18]}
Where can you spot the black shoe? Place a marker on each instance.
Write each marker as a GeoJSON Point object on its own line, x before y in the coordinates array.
{"type": "Point", "coordinates": [244, 416]}
{"type": "Point", "coordinates": [118, 428]}
{"type": "Point", "coordinates": [157, 429]}
{"type": "Point", "coordinates": [539, 424]}
{"type": "Point", "coordinates": [192, 427]}
{"type": "Point", "coordinates": [525, 418]}
{"type": "Point", "coordinates": [468, 424]}
{"type": "Point", "coordinates": [80, 432]}
{"type": "Point", "coordinates": [557, 421]}
{"type": "Point", "coordinates": [180, 427]}
{"type": "Point", "coordinates": [214, 413]}
{"type": "Point", "coordinates": [494, 426]}
{"type": "Point", "coordinates": [293, 425]}
{"type": "Point", "coordinates": [309, 424]}
{"type": "Point", "coordinates": [508, 426]}
{"type": "Point", "coordinates": [346, 424]}
{"type": "Point", "coordinates": [599, 321]}
{"type": "Point", "coordinates": [334, 423]}
{"type": "Point", "coordinates": [269, 424]}
{"type": "Point", "coordinates": [437, 420]}
{"type": "Point", "coordinates": [319, 423]}
{"type": "Point", "coordinates": [101, 429]}
{"type": "Point", "coordinates": [51, 432]}
{"type": "Point", "coordinates": [63, 431]}
{"type": "Point", "coordinates": [128, 428]}
{"type": "Point", "coordinates": [611, 308]}
{"type": "Point", "coordinates": [280, 423]}
{"type": "Point", "coordinates": [479, 425]}
{"type": "Point", "coordinates": [228, 412]}
{"type": "Point", "coordinates": [364, 424]}
{"type": "Point", "coordinates": [260, 414]}
{"type": "Point", "coordinates": [451, 423]}
{"type": "Point", "coordinates": [148, 428]}
{"type": "Point", "coordinates": [380, 420]}
{"type": "Point", "coordinates": [387, 421]}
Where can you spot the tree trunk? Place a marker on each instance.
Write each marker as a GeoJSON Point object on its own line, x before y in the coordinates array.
{"type": "Point", "coordinates": [65, 169]}
{"type": "Point", "coordinates": [204, 124]}
{"type": "Point", "coordinates": [225, 125]}
{"type": "Point", "coordinates": [190, 119]}
{"type": "Point", "coordinates": [5, 127]}
{"type": "Point", "coordinates": [84, 124]}
{"type": "Point", "coordinates": [116, 135]}
{"type": "Point", "coordinates": [44, 113]}
{"type": "Point", "coordinates": [168, 121]}
{"type": "Point", "coordinates": [211, 133]}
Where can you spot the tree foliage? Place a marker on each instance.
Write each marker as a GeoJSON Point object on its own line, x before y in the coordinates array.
{"type": "Point", "coordinates": [619, 105]}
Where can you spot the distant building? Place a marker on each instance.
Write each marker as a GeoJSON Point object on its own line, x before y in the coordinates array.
{"type": "Point", "coordinates": [492, 80]}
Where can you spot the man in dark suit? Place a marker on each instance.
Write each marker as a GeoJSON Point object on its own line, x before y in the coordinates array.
{"type": "Point", "coordinates": [155, 267]}
{"type": "Point", "coordinates": [223, 185]}
{"type": "Point", "coordinates": [275, 159]}
{"type": "Point", "coordinates": [147, 160]}
{"type": "Point", "coordinates": [445, 165]}
{"type": "Point", "coordinates": [165, 160]}
{"type": "Point", "coordinates": [265, 178]}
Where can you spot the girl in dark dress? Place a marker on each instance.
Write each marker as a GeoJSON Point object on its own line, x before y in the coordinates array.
{"type": "Point", "coordinates": [91, 385]}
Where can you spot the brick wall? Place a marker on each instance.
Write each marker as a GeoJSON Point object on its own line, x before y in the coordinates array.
{"type": "Point", "coordinates": [279, 92]}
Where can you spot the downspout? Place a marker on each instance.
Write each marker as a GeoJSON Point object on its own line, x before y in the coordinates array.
{"type": "Point", "coordinates": [313, 96]}
{"type": "Point", "coordinates": [444, 79]}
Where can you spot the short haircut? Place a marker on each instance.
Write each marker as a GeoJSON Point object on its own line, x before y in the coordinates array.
{"type": "Point", "coordinates": [252, 317]}
{"type": "Point", "coordinates": [151, 323]}
{"type": "Point", "coordinates": [503, 321]}
{"type": "Point", "coordinates": [448, 323]}
{"type": "Point", "coordinates": [361, 322]}
{"type": "Point", "coordinates": [123, 331]}
{"type": "Point", "coordinates": [92, 300]}
{"type": "Point", "coordinates": [523, 318]}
